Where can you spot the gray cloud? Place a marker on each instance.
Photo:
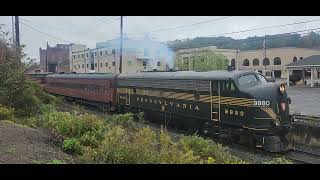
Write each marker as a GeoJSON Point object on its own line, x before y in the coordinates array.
{"type": "Point", "coordinates": [90, 29]}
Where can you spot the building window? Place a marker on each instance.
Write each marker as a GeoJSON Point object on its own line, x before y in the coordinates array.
{"type": "Point", "coordinates": [255, 62]}
{"type": "Point", "coordinates": [233, 62]}
{"type": "Point", "coordinates": [100, 64]}
{"type": "Point", "coordinates": [113, 63]}
{"type": "Point", "coordinates": [294, 59]}
{"type": "Point", "coordinates": [106, 64]}
{"type": "Point", "coordinates": [276, 61]}
{"type": "Point", "coordinates": [266, 61]}
{"type": "Point", "coordinates": [144, 63]}
{"type": "Point", "coordinates": [78, 55]}
{"type": "Point", "coordinates": [95, 65]}
{"type": "Point", "coordinates": [82, 65]}
{"type": "Point", "coordinates": [75, 66]}
{"type": "Point", "coordinates": [113, 51]}
{"type": "Point", "coordinates": [301, 58]}
{"type": "Point", "coordinates": [87, 54]}
{"type": "Point", "coordinates": [74, 56]}
{"type": "Point", "coordinates": [100, 53]}
{"type": "Point", "coordinates": [129, 62]}
{"type": "Point", "coordinates": [106, 52]}
{"type": "Point", "coordinates": [95, 53]}
{"type": "Point", "coordinates": [246, 62]}
{"type": "Point", "coordinates": [79, 66]}
{"type": "Point", "coordinates": [158, 63]}
{"type": "Point", "coordinates": [82, 55]}
{"type": "Point", "coordinates": [87, 65]}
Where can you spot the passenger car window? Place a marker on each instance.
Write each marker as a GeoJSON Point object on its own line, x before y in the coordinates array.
{"type": "Point", "coordinates": [247, 79]}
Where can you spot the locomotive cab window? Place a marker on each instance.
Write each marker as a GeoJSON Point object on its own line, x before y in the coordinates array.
{"type": "Point", "coordinates": [262, 78]}
{"type": "Point", "coordinates": [247, 79]}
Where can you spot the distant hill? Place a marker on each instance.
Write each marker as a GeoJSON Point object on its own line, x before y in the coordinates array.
{"type": "Point", "coordinates": [310, 40]}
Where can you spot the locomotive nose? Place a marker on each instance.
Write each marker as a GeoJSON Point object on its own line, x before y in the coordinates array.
{"type": "Point", "coordinates": [264, 92]}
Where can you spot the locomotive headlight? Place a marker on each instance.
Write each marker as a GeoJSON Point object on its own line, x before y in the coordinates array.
{"type": "Point", "coordinates": [282, 89]}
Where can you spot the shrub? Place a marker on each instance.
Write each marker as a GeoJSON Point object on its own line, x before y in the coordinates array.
{"type": "Point", "coordinates": [72, 146]}
{"type": "Point", "coordinates": [171, 153]}
{"type": "Point", "coordinates": [69, 125]}
{"type": "Point", "coordinates": [124, 120]}
{"type": "Point", "coordinates": [207, 149]}
{"type": "Point", "coordinates": [55, 161]}
{"type": "Point", "coordinates": [279, 160]}
{"type": "Point", "coordinates": [6, 113]}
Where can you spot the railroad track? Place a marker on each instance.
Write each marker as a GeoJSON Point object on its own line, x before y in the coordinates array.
{"type": "Point", "coordinates": [304, 156]}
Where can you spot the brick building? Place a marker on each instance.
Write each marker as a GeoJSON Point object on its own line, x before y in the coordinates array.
{"type": "Point", "coordinates": [57, 58]}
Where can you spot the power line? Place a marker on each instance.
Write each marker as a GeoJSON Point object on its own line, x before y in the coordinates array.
{"type": "Point", "coordinates": [108, 20]}
{"type": "Point", "coordinates": [268, 27]}
{"type": "Point", "coordinates": [232, 42]}
{"type": "Point", "coordinates": [55, 27]}
{"type": "Point", "coordinates": [50, 35]}
{"type": "Point", "coordinates": [44, 33]}
{"type": "Point", "coordinates": [183, 26]}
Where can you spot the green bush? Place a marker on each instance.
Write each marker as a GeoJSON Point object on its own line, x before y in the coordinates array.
{"type": "Point", "coordinates": [72, 146]}
{"type": "Point", "coordinates": [117, 139]}
{"type": "Point", "coordinates": [55, 161]}
{"type": "Point", "coordinates": [125, 120]}
{"type": "Point", "coordinates": [209, 150]}
{"type": "Point", "coordinates": [70, 125]}
{"type": "Point", "coordinates": [6, 113]}
{"type": "Point", "coordinates": [140, 147]}
{"type": "Point", "coordinates": [172, 153]}
{"type": "Point", "coordinates": [279, 160]}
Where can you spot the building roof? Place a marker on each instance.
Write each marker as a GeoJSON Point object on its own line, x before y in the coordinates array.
{"type": "Point", "coordinates": [308, 61]}
{"type": "Point", "coordinates": [84, 76]}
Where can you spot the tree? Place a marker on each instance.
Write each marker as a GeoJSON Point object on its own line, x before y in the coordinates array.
{"type": "Point", "coordinates": [272, 41]}
{"type": "Point", "coordinates": [16, 90]}
{"type": "Point", "coordinates": [203, 61]}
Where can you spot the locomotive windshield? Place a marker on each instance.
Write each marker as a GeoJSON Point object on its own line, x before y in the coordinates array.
{"type": "Point", "coordinates": [262, 78]}
{"type": "Point", "coordinates": [247, 79]}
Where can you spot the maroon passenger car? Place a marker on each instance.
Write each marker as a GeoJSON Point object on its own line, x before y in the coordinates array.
{"type": "Point", "coordinates": [98, 89]}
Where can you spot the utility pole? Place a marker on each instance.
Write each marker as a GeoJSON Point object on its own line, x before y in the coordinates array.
{"type": "Point", "coordinates": [13, 36]}
{"type": "Point", "coordinates": [264, 52]}
{"type": "Point", "coordinates": [121, 26]}
{"type": "Point", "coordinates": [17, 31]}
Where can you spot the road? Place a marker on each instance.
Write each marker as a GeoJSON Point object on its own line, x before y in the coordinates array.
{"type": "Point", "coordinates": [305, 100]}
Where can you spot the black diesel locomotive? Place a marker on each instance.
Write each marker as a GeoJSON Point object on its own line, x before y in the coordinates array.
{"type": "Point", "coordinates": [233, 104]}
{"type": "Point", "coordinates": [238, 105]}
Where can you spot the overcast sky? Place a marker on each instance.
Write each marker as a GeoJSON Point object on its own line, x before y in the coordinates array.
{"type": "Point", "coordinates": [91, 29]}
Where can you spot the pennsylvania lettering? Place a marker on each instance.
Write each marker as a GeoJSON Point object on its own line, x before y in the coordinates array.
{"type": "Point", "coordinates": [168, 103]}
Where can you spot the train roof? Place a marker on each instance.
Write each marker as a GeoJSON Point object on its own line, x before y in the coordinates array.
{"type": "Point", "coordinates": [210, 75]}
{"type": "Point", "coordinates": [84, 76]}
{"type": "Point", "coordinates": [39, 73]}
